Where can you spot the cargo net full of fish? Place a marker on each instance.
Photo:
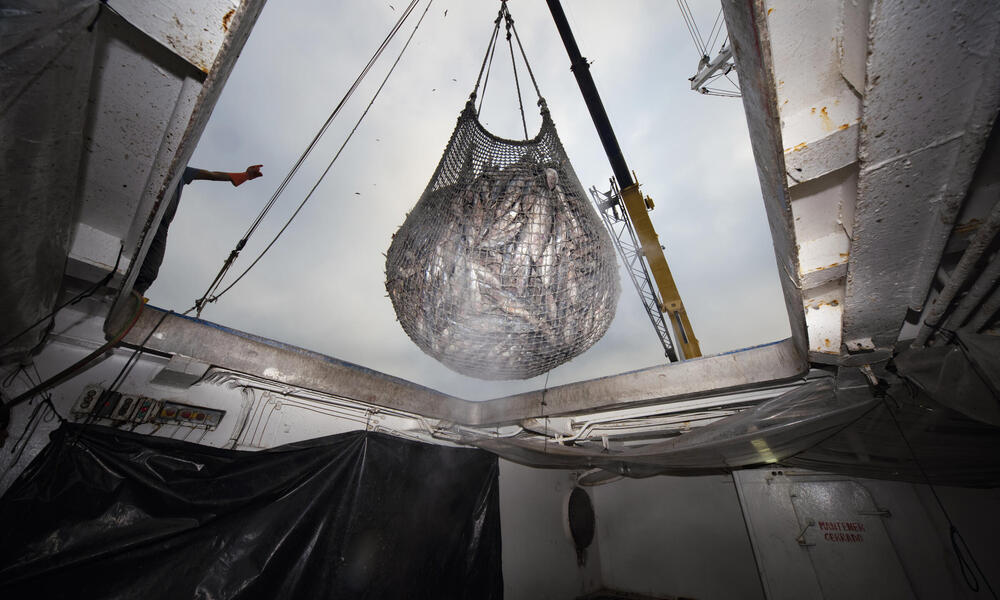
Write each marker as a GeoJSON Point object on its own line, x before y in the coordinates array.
{"type": "Point", "coordinates": [503, 270]}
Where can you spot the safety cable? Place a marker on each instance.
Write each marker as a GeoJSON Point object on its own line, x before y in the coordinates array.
{"type": "Point", "coordinates": [298, 163]}
{"type": "Point", "coordinates": [215, 297]}
{"type": "Point", "coordinates": [958, 545]}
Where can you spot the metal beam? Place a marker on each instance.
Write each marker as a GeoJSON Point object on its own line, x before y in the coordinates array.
{"type": "Point", "coordinates": [226, 348]}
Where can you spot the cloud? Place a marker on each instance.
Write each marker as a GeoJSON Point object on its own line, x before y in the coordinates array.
{"type": "Point", "coordinates": [322, 285]}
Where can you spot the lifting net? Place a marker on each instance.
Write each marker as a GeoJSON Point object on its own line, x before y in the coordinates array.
{"type": "Point", "coordinates": [503, 270]}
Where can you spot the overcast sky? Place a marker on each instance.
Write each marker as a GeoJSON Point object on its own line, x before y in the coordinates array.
{"type": "Point", "coordinates": [322, 286]}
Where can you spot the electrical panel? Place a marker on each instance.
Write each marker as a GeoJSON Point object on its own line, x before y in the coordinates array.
{"type": "Point", "coordinates": [97, 403]}
{"type": "Point", "coordinates": [183, 414]}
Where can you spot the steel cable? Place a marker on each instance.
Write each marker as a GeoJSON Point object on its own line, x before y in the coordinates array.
{"type": "Point", "coordinates": [215, 297]}
{"type": "Point", "coordinates": [200, 303]}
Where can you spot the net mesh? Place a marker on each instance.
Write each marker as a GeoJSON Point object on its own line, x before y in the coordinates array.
{"type": "Point", "coordinates": [503, 270]}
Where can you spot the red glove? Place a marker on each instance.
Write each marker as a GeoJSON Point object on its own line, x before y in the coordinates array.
{"type": "Point", "coordinates": [252, 172]}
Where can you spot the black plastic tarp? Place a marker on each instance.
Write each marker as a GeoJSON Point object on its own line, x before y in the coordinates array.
{"type": "Point", "coordinates": [103, 513]}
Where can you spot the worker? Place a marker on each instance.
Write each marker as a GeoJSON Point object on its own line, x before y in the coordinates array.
{"type": "Point", "coordinates": [154, 256]}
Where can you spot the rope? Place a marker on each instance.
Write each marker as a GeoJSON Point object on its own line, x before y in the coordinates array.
{"type": "Point", "coordinates": [493, 38]}
{"type": "Point", "coordinates": [200, 303]}
{"type": "Point", "coordinates": [490, 51]}
{"type": "Point", "coordinates": [526, 63]}
{"type": "Point", "coordinates": [513, 64]}
{"type": "Point", "coordinates": [323, 175]}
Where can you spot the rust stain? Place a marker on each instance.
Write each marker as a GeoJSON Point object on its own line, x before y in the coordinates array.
{"type": "Point", "coordinates": [769, 11]}
{"type": "Point", "coordinates": [827, 123]}
{"type": "Point", "coordinates": [813, 110]}
{"type": "Point", "coordinates": [844, 126]}
{"type": "Point", "coordinates": [972, 225]}
{"type": "Point", "coordinates": [226, 18]}
{"type": "Point", "coordinates": [798, 147]}
{"type": "Point", "coordinates": [826, 341]}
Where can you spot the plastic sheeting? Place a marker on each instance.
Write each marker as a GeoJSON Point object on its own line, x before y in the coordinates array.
{"type": "Point", "coordinates": [107, 514]}
{"type": "Point", "coordinates": [964, 377]}
{"type": "Point", "coordinates": [768, 433]}
{"type": "Point", "coordinates": [843, 428]}
{"type": "Point", "coordinates": [951, 448]}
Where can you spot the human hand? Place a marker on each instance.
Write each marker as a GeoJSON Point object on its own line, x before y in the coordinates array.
{"type": "Point", "coordinates": [252, 172]}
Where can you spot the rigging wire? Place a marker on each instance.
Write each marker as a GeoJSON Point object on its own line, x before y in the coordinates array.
{"type": "Point", "coordinates": [205, 299]}
{"type": "Point", "coordinates": [487, 65]}
{"type": "Point", "coordinates": [716, 31]}
{"type": "Point", "coordinates": [210, 292]}
{"type": "Point", "coordinates": [692, 28]}
{"type": "Point", "coordinates": [513, 64]}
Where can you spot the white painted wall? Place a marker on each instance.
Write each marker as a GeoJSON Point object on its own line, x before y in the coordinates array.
{"type": "Point", "coordinates": [906, 551]}
{"type": "Point", "coordinates": [539, 560]}
{"type": "Point", "coordinates": [675, 536]}
{"type": "Point", "coordinates": [920, 534]}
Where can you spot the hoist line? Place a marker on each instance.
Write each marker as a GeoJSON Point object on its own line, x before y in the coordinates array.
{"type": "Point", "coordinates": [513, 65]}
{"type": "Point", "coordinates": [487, 66]}
{"type": "Point", "coordinates": [199, 304]}
{"type": "Point", "coordinates": [332, 161]}
{"type": "Point", "coordinates": [490, 52]}
{"type": "Point", "coordinates": [336, 110]}
{"type": "Point", "coordinates": [692, 27]}
{"type": "Point", "coordinates": [527, 65]}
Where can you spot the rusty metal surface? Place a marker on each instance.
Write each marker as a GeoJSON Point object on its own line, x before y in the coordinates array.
{"type": "Point", "coordinates": [193, 31]}
{"type": "Point", "coordinates": [931, 96]}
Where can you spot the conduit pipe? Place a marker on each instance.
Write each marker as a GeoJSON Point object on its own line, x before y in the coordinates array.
{"type": "Point", "coordinates": [987, 279]}
{"type": "Point", "coordinates": [987, 231]}
{"type": "Point", "coordinates": [985, 312]}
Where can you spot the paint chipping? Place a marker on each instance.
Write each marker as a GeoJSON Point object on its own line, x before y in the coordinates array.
{"type": "Point", "coordinates": [227, 18]}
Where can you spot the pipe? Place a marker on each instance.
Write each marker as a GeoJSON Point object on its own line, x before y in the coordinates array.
{"type": "Point", "coordinates": [987, 279]}
{"type": "Point", "coordinates": [987, 231]}
{"type": "Point", "coordinates": [985, 312]}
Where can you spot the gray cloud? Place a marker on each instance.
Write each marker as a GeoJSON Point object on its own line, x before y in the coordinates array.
{"type": "Point", "coordinates": [321, 287]}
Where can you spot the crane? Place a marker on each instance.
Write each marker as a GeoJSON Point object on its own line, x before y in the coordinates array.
{"type": "Point", "coordinates": [631, 229]}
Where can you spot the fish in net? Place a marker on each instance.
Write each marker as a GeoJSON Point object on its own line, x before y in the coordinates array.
{"type": "Point", "coordinates": [503, 270]}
